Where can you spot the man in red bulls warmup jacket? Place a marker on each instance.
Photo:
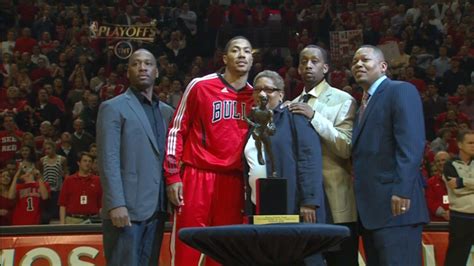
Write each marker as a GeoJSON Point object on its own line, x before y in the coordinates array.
{"type": "Point", "coordinates": [203, 163]}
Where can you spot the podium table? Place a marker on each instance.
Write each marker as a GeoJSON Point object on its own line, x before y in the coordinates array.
{"type": "Point", "coordinates": [270, 244]}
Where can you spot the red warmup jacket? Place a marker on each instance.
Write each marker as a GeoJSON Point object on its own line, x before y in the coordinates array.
{"type": "Point", "coordinates": [208, 129]}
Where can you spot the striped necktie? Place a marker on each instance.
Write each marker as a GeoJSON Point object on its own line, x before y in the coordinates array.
{"type": "Point", "coordinates": [363, 104]}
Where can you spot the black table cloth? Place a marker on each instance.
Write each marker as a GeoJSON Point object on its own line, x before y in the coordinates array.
{"type": "Point", "coordinates": [271, 244]}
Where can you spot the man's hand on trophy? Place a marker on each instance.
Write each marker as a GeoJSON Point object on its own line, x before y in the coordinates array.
{"type": "Point", "coordinates": [308, 213]}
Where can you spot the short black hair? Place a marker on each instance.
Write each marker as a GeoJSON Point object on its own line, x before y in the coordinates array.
{"type": "Point", "coordinates": [227, 46]}
{"type": "Point", "coordinates": [323, 51]}
{"type": "Point", "coordinates": [378, 51]}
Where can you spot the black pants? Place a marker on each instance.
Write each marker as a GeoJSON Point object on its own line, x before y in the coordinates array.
{"type": "Point", "coordinates": [461, 239]}
{"type": "Point", "coordinates": [50, 208]}
{"type": "Point", "coordinates": [348, 253]}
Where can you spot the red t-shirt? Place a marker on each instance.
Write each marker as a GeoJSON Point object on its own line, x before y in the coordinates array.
{"type": "Point", "coordinates": [25, 44]}
{"type": "Point", "coordinates": [208, 130]}
{"type": "Point", "coordinates": [81, 195]}
{"type": "Point", "coordinates": [238, 14]}
{"type": "Point", "coordinates": [9, 145]}
{"type": "Point", "coordinates": [260, 17]}
{"type": "Point", "coordinates": [15, 107]}
{"type": "Point", "coordinates": [419, 84]}
{"type": "Point", "coordinates": [337, 78]}
{"type": "Point", "coordinates": [28, 207]}
{"type": "Point", "coordinates": [215, 16]}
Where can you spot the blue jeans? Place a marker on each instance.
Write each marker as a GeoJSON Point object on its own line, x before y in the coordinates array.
{"type": "Point", "coordinates": [130, 245]}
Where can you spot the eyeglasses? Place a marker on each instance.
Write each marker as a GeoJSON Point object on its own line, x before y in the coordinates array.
{"type": "Point", "coordinates": [267, 90]}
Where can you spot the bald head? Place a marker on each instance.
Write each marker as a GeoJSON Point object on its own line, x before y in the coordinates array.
{"type": "Point", "coordinates": [142, 70]}
{"type": "Point", "coordinates": [139, 52]}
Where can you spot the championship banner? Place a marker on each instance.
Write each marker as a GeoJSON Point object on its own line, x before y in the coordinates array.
{"type": "Point", "coordinates": [124, 34]}
{"type": "Point", "coordinates": [343, 44]}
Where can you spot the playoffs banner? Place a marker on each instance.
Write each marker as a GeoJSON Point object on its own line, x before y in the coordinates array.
{"type": "Point", "coordinates": [344, 43]}
{"type": "Point", "coordinates": [124, 34]}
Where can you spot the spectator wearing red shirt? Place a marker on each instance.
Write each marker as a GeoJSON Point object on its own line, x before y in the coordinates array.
{"type": "Point", "coordinates": [436, 193]}
{"type": "Point", "coordinates": [452, 114]}
{"type": "Point", "coordinates": [375, 16]}
{"type": "Point", "coordinates": [338, 76]}
{"type": "Point", "coordinates": [40, 75]}
{"type": "Point", "coordinates": [215, 20]}
{"type": "Point", "coordinates": [121, 69]}
{"type": "Point", "coordinates": [142, 17]}
{"type": "Point", "coordinates": [467, 105]}
{"type": "Point", "coordinates": [238, 12]}
{"type": "Point", "coordinates": [25, 43]}
{"type": "Point", "coordinates": [10, 139]}
{"type": "Point", "coordinates": [27, 11]}
{"type": "Point", "coordinates": [81, 194]}
{"type": "Point", "coordinates": [288, 14]}
{"type": "Point", "coordinates": [7, 198]}
{"type": "Point", "coordinates": [259, 18]}
{"type": "Point", "coordinates": [111, 88]}
{"type": "Point", "coordinates": [288, 63]}
{"type": "Point", "coordinates": [260, 14]}
{"type": "Point", "coordinates": [12, 103]}
{"type": "Point", "coordinates": [348, 15]}
{"type": "Point", "coordinates": [46, 43]}
{"type": "Point", "coordinates": [54, 99]}
{"type": "Point", "coordinates": [417, 82]}
{"type": "Point", "coordinates": [29, 197]}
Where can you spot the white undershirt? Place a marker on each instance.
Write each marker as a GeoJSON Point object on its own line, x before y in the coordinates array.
{"type": "Point", "coordinates": [256, 170]}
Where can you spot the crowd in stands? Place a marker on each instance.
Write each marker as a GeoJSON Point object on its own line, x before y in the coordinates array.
{"type": "Point", "coordinates": [54, 75]}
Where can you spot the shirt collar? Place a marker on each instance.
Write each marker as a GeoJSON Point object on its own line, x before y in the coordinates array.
{"type": "Point", "coordinates": [373, 88]}
{"type": "Point", "coordinates": [317, 90]}
{"type": "Point", "coordinates": [141, 98]}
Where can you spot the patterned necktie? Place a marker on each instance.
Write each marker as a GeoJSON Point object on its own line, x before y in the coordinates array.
{"type": "Point", "coordinates": [363, 105]}
{"type": "Point", "coordinates": [305, 98]}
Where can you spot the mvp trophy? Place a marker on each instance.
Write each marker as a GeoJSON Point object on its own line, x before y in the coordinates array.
{"type": "Point", "coordinates": [271, 192]}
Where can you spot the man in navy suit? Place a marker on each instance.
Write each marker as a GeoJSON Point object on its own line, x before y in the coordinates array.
{"type": "Point", "coordinates": [387, 149]}
{"type": "Point", "coordinates": [131, 132]}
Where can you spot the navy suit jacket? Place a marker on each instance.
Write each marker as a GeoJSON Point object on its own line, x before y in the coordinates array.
{"type": "Point", "coordinates": [387, 150]}
{"type": "Point", "coordinates": [130, 162]}
{"type": "Point", "coordinates": [297, 151]}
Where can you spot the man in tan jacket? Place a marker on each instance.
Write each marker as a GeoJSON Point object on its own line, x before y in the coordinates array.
{"type": "Point", "coordinates": [331, 112]}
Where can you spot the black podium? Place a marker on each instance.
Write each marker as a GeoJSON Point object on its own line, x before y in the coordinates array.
{"type": "Point", "coordinates": [271, 244]}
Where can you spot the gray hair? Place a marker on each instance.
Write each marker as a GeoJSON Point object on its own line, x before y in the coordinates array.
{"type": "Point", "coordinates": [277, 79]}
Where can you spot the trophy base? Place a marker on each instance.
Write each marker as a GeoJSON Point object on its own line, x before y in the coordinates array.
{"type": "Point", "coordinates": [274, 219]}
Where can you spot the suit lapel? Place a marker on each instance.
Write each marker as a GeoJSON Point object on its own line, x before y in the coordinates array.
{"type": "Point", "coordinates": [359, 124]}
{"type": "Point", "coordinates": [324, 97]}
{"type": "Point", "coordinates": [142, 117]}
